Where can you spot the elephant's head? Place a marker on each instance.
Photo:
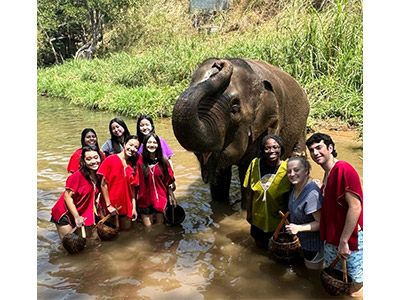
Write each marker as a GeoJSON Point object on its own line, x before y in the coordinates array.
{"type": "Point", "coordinates": [227, 106]}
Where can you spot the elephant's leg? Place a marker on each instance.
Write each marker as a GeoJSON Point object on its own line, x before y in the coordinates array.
{"type": "Point", "coordinates": [242, 174]}
{"type": "Point", "coordinates": [219, 187]}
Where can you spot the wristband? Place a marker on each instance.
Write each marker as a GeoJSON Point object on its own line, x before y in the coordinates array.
{"type": "Point", "coordinates": [108, 205]}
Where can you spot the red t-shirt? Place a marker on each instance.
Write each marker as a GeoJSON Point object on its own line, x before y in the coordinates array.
{"type": "Point", "coordinates": [84, 195]}
{"type": "Point", "coordinates": [342, 178]}
{"type": "Point", "coordinates": [154, 191]}
{"type": "Point", "coordinates": [119, 181]}
{"type": "Point", "coordinates": [73, 164]}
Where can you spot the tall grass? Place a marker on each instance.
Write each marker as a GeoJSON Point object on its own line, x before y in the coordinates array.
{"type": "Point", "coordinates": [321, 50]}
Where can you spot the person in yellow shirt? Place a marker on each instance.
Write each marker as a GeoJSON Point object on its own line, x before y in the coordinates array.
{"type": "Point", "coordinates": [267, 188]}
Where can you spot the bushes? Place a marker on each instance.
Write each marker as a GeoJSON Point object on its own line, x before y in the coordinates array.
{"type": "Point", "coordinates": [321, 50]}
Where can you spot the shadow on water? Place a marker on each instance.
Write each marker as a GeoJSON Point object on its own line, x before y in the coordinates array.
{"type": "Point", "coordinates": [211, 255]}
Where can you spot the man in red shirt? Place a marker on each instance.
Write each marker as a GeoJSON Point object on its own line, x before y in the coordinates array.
{"type": "Point", "coordinates": [341, 214]}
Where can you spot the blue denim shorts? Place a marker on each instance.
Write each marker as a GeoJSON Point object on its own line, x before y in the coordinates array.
{"type": "Point", "coordinates": [354, 262]}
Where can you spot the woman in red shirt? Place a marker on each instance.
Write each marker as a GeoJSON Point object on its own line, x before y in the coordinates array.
{"type": "Point", "coordinates": [119, 180]}
{"type": "Point", "coordinates": [88, 138]}
{"type": "Point", "coordinates": [77, 205]}
{"type": "Point", "coordinates": [155, 178]}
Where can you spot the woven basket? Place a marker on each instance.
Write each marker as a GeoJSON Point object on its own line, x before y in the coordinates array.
{"type": "Point", "coordinates": [282, 244]}
{"type": "Point", "coordinates": [285, 245]}
{"type": "Point", "coordinates": [337, 282]}
{"type": "Point", "coordinates": [105, 230]}
{"type": "Point", "coordinates": [74, 243]}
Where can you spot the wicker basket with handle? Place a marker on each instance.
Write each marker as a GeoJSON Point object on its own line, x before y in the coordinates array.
{"type": "Point", "coordinates": [284, 245]}
{"type": "Point", "coordinates": [105, 230]}
{"type": "Point", "coordinates": [337, 282]}
{"type": "Point", "coordinates": [74, 243]}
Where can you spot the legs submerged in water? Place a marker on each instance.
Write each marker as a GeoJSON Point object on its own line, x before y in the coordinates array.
{"type": "Point", "coordinates": [149, 220]}
{"type": "Point", "coordinates": [63, 230]}
{"type": "Point", "coordinates": [261, 238]}
{"type": "Point", "coordinates": [125, 223]}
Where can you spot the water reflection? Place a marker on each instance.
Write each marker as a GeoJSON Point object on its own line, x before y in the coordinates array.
{"type": "Point", "coordinates": [209, 256]}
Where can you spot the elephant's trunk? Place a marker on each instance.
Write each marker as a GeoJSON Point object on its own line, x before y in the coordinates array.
{"type": "Point", "coordinates": [201, 114]}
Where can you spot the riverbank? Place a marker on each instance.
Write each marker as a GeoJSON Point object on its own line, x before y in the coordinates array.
{"type": "Point", "coordinates": [321, 50]}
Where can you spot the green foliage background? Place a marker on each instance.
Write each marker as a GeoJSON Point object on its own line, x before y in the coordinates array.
{"type": "Point", "coordinates": [148, 56]}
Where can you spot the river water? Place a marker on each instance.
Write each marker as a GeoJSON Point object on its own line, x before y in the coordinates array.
{"type": "Point", "coordinates": [209, 256]}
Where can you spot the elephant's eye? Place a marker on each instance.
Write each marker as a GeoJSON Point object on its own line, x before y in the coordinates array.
{"type": "Point", "coordinates": [235, 108]}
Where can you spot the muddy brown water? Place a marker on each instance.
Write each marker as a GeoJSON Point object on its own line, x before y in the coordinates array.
{"type": "Point", "coordinates": [209, 256]}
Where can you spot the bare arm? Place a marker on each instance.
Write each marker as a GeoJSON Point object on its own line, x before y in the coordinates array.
{"type": "Point", "coordinates": [104, 191]}
{"type": "Point", "coordinates": [353, 213]}
{"type": "Point", "coordinates": [134, 212]}
{"type": "Point", "coordinates": [312, 226]}
{"type": "Point", "coordinates": [172, 199]}
{"type": "Point", "coordinates": [79, 220]}
{"type": "Point", "coordinates": [172, 185]}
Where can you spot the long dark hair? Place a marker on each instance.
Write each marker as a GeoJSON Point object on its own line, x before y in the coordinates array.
{"type": "Point", "coordinates": [116, 144]}
{"type": "Point", "coordinates": [82, 166]}
{"type": "Point", "coordinates": [139, 134]}
{"type": "Point", "coordinates": [163, 163]}
{"type": "Point", "coordinates": [84, 133]}
{"type": "Point", "coordinates": [133, 159]}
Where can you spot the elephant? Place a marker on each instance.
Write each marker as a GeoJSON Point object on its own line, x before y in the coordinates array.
{"type": "Point", "coordinates": [229, 106]}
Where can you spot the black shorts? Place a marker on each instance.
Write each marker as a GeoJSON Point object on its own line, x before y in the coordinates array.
{"type": "Point", "coordinates": [149, 210]}
{"type": "Point", "coordinates": [63, 221]}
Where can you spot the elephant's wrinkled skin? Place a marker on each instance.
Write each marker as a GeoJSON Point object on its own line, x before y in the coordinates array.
{"type": "Point", "coordinates": [227, 109]}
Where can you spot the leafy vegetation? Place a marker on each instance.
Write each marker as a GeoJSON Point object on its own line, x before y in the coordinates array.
{"type": "Point", "coordinates": [149, 54]}
{"type": "Point", "coordinates": [73, 28]}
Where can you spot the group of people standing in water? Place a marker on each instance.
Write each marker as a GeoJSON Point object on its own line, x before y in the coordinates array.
{"type": "Point", "coordinates": [326, 216]}
{"type": "Point", "coordinates": [130, 175]}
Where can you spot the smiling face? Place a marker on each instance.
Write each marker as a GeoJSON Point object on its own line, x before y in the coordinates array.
{"type": "Point", "coordinates": [296, 172]}
{"type": "Point", "coordinates": [117, 129]}
{"type": "Point", "coordinates": [145, 127]}
{"type": "Point", "coordinates": [131, 147]}
{"type": "Point", "coordinates": [90, 139]}
{"type": "Point", "coordinates": [92, 160]}
{"type": "Point", "coordinates": [151, 145]}
{"type": "Point", "coordinates": [272, 152]}
{"type": "Point", "coordinates": [320, 153]}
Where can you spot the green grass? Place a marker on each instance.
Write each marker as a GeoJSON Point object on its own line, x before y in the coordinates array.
{"type": "Point", "coordinates": [147, 72]}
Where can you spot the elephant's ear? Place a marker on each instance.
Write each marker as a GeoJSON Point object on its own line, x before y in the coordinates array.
{"type": "Point", "coordinates": [266, 112]}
